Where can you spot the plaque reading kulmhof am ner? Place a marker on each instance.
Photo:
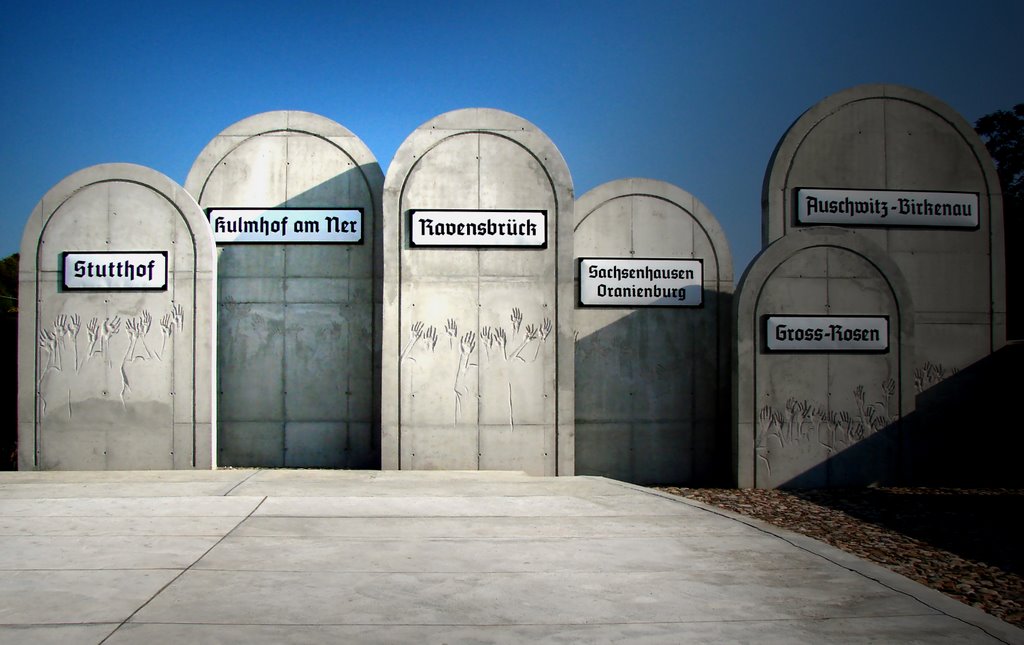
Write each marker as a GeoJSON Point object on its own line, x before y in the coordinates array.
{"type": "Point", "coordinates": [286, 225]}
{"type": "Point", "coordinates": [479, 228]}
{"type": "Point", "coordinates": [844, 207]}
{"type": "Point", "coordinates": [639, 282]}
{"type": "Point", "coordinates": [827, 334]}
{"type": "Point", "coordinates": [115, 271]}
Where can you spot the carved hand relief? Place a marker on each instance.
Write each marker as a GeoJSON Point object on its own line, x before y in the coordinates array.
{"type": "Point", "coordinates": [803, 423]}
{"type": "Point", "coordinates": [930, 374]}
{"type": "Point", "coordinates": [64, 356]}
{"type": "Point", "coordinates": [506, 350]}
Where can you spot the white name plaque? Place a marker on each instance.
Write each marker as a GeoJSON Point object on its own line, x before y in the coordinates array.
{"type": "Point", "coordinates": [103, 270]}
{"type": "Point", "coordinates": [478, 228]}
{"type": "Point", "coordinates": [827, 334]}
{"type": "Point", "coordinates": [633, 282]}
{"type": "Point", "coordinates": [886, 208]}
{"type": "Point", "coordinates": [286, 225]}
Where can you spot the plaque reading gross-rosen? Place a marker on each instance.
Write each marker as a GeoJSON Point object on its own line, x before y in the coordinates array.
{"type": "Point", "coordinates": [111, 270]}
{"type": "Point", "coordinates": [286, 225]}
{"type": "Point", "coordinates": [886, 208]}
{"type": "Point", "coordinates": [827, 334]}
{"type": "Point", "coordinates": [479, 228]}
{"type": "Point", "coordinates": [638, 282]}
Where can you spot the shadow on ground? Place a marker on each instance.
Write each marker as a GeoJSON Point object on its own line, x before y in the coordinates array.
{"type": "Point", "coordinates": [978, 525]}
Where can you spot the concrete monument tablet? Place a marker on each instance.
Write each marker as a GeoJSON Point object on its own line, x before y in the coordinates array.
{"type": "Point", "coordinates": [116, 355]}
{"type": "Point", "coordinates": [294, 202]}
{"type": "Point", "coordinates": [477, 346]}
{"type": "Point", "coordinates": [652, 335]}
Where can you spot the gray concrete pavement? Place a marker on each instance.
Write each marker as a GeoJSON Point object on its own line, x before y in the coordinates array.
{"type": "Point", "coordinates": [306, 556]}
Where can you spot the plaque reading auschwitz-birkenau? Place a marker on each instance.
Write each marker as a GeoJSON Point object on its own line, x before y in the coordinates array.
{"type": "Point", "coordinates": [887, 208]}
{"type": "Point", "coordinates": [827, 334]}
{"type": "Point", "coordinates": [639, 282]}
{"type": "Point", "coordinates": [107, 270]}
{"type": "Point", "coordinates": [287, 225]}
{"type": "Point", "coordinates": [478, 228]}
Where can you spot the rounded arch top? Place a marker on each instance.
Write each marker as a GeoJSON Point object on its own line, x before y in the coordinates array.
{"type": "Point", "coordinates": [481, 121]}
{"type": "Point", "coordinates": [749, 289]}
{"type": "Point", "coordinates": [750, 375]}
{"type": "Point", "coordinates": [871, 148]}
{"type": "Point", "coordinates": [594, 198]}
{"type": "Point", "coordinates": [168, 189]}
{"type": "Point", "coordinates": [282, 123]}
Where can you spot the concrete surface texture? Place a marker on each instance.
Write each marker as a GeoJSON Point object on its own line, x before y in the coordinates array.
{"type": "Point", "coordinates": [652, 384]}
{"type": "Point", "coordinates": [297, 359]}
{"type": "Point", "coordinates": [117, 379]}
{"type": "Point", "coordinates": [244, 556]}
{"type": "Point", "coordinates": [821, 419]}
{"type": "Point", "coordinates": [477, 351]}
{"type": "Point", "coordinates": [893, 137]}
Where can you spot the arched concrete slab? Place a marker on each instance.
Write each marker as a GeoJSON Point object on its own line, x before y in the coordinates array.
{"type": "Point", "coordinates": [477, 342]}
{"type": "Point", "coordinates": [821, 419]}
{"type": "Point", "coordinates": [116, 378]}
{"type": "Point", "coordinates": [889, 137]}
{"type": "Point", "coordinates": [298, 361]}
{"type": "Point", "coordinates": [652, 384]}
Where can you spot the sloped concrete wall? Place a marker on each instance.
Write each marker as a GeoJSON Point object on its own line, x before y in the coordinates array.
{"type": "Point", "coordinates": [477, 343]}
{"type": "Point", "coordinates": [822, 419]}
{"type": "Point", "coordinates": [117, 379]}
{"type": "Point", "coordinates": [652, 384]}
{"type": "Point", "coordinates": [297, 359]}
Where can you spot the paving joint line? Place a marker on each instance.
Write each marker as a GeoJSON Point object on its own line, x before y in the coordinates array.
{"type": "Point", "coordinates": [251, 475]}
{"type": "Point", "coordinates": [183, 571]}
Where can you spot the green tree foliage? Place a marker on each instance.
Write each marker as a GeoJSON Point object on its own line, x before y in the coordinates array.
{"type": "Point", "coordinates": [9, 284]}
{"type": "Point", "coordinates": [1003, 134]}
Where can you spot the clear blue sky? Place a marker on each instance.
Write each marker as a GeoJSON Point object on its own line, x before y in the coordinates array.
{"type": "Point", "coordinates": [693, 93]}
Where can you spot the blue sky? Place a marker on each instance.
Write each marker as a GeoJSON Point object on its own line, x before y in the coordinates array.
{"type": "Point", "coordinates": [693, 93]}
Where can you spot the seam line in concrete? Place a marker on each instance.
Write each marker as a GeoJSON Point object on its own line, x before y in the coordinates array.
{"type": "Point", "coordinates": [232, 489]}
{"type": "Point", "coordinates": [183, 571]}
{"type": "Point", "coordinates": [512, 625]}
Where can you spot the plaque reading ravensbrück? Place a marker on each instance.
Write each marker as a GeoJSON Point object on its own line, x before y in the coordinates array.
{"type": "Point", "coordinates": [482, 228]}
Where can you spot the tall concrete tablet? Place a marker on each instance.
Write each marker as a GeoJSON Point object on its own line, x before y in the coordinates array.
{"type": "Point", "coordinates": [910, 174]}
{"type": "Point", "coordinates": [653, 338]}
{"type": "Point", "coordinates": [116, 328]}
{"type": "Point", "coordinates": [823, 383]}
{"type": "Point", "coordinates": [294, 201]}
{"type": "Point", "coordinates": [907, 172]}
{"type": "Point", "coordinates": [478, 299]}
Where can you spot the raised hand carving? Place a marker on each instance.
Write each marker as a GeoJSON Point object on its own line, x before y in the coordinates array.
{"type": "Point", "coordinates": [171, 323]}
{"type": "Point", "coordinates": [138, 329]}
{"type": "Point", "coordinates": [452, 329]}
{"type": "Point", "coordinates": [415, 333]}
{"type": "Point", "coordinates": [430, 337]}
{"type": "Point", "coordinates": [100, 335]}
{"type": "Point", "coordinates": [517, 320]}
{"type": "Point", "coordinates": [466, 347]}
{"type": "Point", "coordinates": [49, 342]}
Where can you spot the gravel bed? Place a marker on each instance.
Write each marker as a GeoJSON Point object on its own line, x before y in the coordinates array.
{"type": "Point", "coordinates": [965, 543]}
